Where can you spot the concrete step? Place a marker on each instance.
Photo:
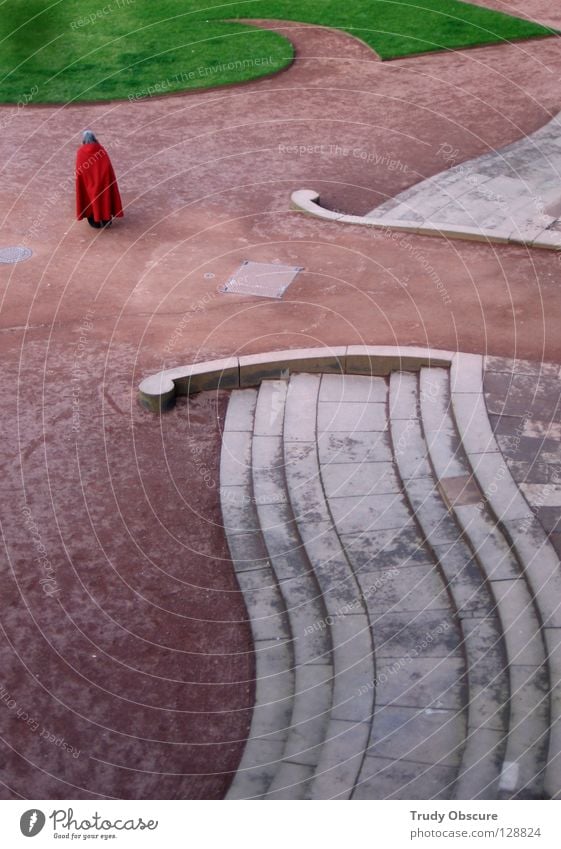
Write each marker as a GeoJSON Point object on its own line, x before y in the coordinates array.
{"type": "Point", "coordinates": [522, 768]}
{"type": "Point", "coordinates": [531, 600]}
{"type": "Point", "coordinates": [302, 596]}
{"type": "Point", "coordinates": [294, 674]}
{"type": "Point", "coordinates": [433, 438]}
{"type": "Point", "coordinates": [267, 613]}
{"type": "Point", "coordinates": [346, 735]}
{"type": "Point", "coordinates": [368, 527]}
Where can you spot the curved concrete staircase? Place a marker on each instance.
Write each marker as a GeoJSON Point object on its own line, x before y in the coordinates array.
{"type": "Point", "coordinates": [404, 601]}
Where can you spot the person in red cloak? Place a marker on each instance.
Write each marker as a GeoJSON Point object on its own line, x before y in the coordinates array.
{"type": "Point", "coordinates": [97, 193]}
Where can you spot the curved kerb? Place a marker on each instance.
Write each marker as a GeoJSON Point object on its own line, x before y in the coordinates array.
{"type": "Point", "coordinates": [307, 200]}
{"type": "Point", "coordinates": [158, 392]}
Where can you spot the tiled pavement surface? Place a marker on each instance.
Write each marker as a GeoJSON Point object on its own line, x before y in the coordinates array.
{"type": "Point", "coordinates": [513, 192]}
{"type": "Point", "coordinates": [524, 404]}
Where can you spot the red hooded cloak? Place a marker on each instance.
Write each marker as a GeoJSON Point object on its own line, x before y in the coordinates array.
{"type": "Point", "coordinates": [97, 193]}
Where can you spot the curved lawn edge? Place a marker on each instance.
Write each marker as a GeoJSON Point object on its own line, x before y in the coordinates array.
{"type": "Point", "coordinates": [85, 55]}
{"type": "Point", "coordinates": [263, 53]}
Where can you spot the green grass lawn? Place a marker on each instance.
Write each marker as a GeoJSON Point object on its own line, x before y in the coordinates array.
{"type": "Point", "coordinates": [67, 50]}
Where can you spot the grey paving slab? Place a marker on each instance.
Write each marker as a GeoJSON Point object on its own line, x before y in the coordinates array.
{"type": "Point", "coordinates": [555, 539]}
{"type": "Point", "coordinates": [495, 554]}
{"type": "Point", "coordinates": [406, 588]}
{"type": "Point", "coordinates": [342, 447]}
{"type": "Point", "coordinates": [535, 470]}
{"type": "Point", "coordinates": [549, 518]}
{"type": "Point", "coordinates": [282, 539]}
{"type": "Point", "coordinates": [311, 638]}
{"type": "Point", "coordinates": [437, 523]}
{"type": "Point", "coordinates": [355, 388]}
{"type": "Point", "coordinates": [529, 449]}
{"type": "Point", "coordinates": [263, 600]}
{"type": "Point", "coordinates": [241, 410]}
{"type": "Point", "coordinates": [235, 458]}
{"type": "Point", "coordinates": [516, 366]}
{"type": "Point", "coordinates": [409, 635]}
{"type": "Point", "coordinates": [404, 395]}
{"type": "Point", "coordinates": [499, 488]}
{"type": "Point", "coordinates": [470, 591]}
{"type": "Point", "coordinates": [521, 627]}
{"type": "Point", "coordinates": [426, 735]}
{"type": "Point", "coordinates": [341, 760]}
{"type": "Point", "coordinates": [473, 424]}
{"type": "Point", "coordinates": [552, 638]}
{"type": "Point", "coordinates": [353, 699]}
{"type": "Point", "coordinates": [445, 451]}
{"type": "Point", "coordinates": [481, 764]}
{"type": "Point", "coordinates": [297, 584]}
{"type": "Point", "coordinates": [530, 698]}
{"type": "Point", "coordinates": [410, 448]}
{"type": "Point", "coordinates": [369, 513]}
{"type": "Point", "coordinates": [354, 668]}
{"type": "Point", "coordinates": [434, 397]}
{"type": "Point", "coordinates": [454, 557]}
{"type": "Point", "coordinates": [488, 689]}
{"type": "Point", "coordinates": [300, 409]}
{"type": "Point", "coordinates": [483, 644]}
{"type": "Point", "coordinates": [291, 781]}
{"type": "Point", "coordinates": [421, 682]}
{"type": "Point", "coordinates": [302, 592]}
{"type": "Point", "coordinates": [553, 770]}
{"type": "Point", "coordinates": [340, 590]}
{"type": "Point", "coordinates": [460, 491]}
{"type": "Point", "coordinates": [274, 690]}
{"type": "Point", "coordinates": [269, 413]}
{"type": "Point", "coordinates": [239, 515]}
{"type": "Point", "coordinates": [541, 429]}
{"type": "Point", "coordinates": [542, 494]}
{"type": "Point", "coordinates": [352, 479]}
{"type": "Point", "coordinates": [387, 549]}
{"type": "Point", "coordinates": [310, 719]}
{"type": "Point", "coordinates": [257, 769]}
{"type": "Point", "coordinates": [466, 373]}
{"type": "Point", "coordinates": [382, 778]}
{"type": "Point", "coordinates": [304, 482]}
{"type": "Point", "coordinates": [351, 416]}
{"type": "Point", "coordinates": [525, 761]}
{"type": "Point", "coordinates": [518, 394]}
{"type": "Point", "coordinates": [267, 470]}
{"type": "Point", "coordinates": [248, 551]}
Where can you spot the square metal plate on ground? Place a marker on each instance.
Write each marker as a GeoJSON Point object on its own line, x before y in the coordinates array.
{"type": "Point", "coordinates": [263, 279]}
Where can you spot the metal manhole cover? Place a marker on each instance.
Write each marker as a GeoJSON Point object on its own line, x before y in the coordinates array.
{"type": "Point", "coordinates": [263, 279]}
{"type": "Point", "coordinates": [13, 255]}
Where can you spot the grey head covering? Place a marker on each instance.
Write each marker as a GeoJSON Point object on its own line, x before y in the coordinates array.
{"type": "Point", "coordinates": [88, 137]}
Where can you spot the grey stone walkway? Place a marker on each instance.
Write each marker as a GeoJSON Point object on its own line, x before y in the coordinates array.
{"type": "Point", "coordinates": [509, 195]}
{"type": "Point", "coordinates": [514, 192]}
{"type": "Point", "coordinates": [524, 404]}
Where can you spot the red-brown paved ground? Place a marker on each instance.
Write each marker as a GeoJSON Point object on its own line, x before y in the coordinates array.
{"type": "Point", "coordinates": [142, 661]}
